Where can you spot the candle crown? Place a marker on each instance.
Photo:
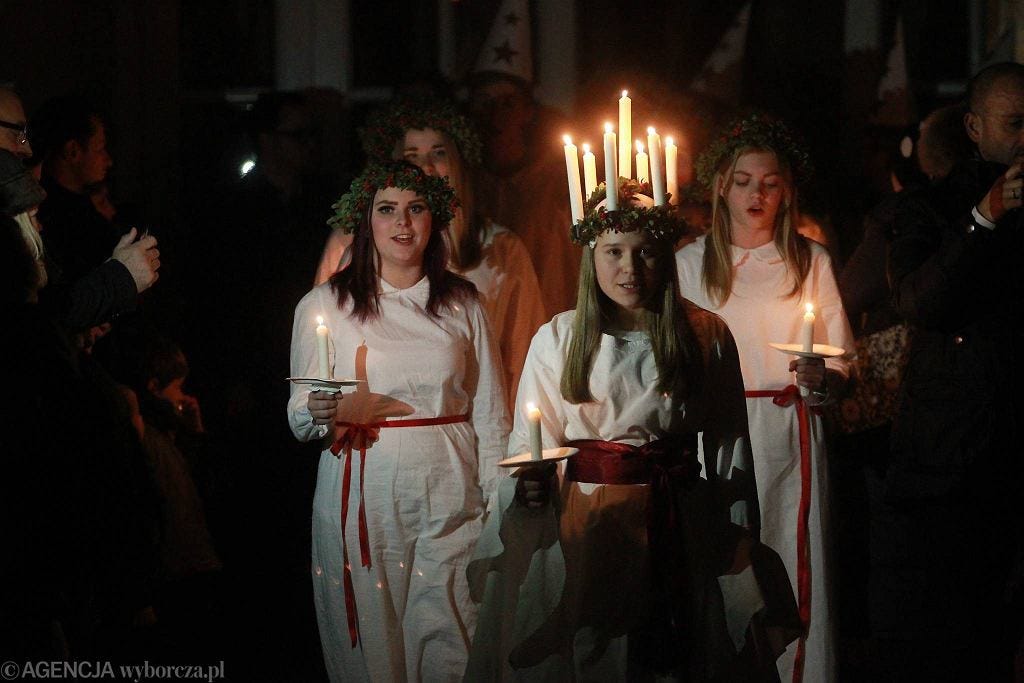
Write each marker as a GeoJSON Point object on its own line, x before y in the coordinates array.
{"type": "Point", "coordinates": [635, 212]}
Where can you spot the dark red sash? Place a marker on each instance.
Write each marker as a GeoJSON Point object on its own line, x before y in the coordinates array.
{"type": "Point", "coordinates": [360, 436]}
{"type": "Point", "coordinates": [790, 396]}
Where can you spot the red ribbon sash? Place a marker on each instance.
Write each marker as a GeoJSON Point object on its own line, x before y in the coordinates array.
{"type": "Point", "coordinates": [360, 437]}
{"type": "Point", "coordinates": [790, 396]}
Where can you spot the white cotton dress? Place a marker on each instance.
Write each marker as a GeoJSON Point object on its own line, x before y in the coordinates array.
{"type": "Point", "coordinates": [508, 290]}
{"type": "Point", "coordinates": [424, 488]}
{"type": "Point", "coordinates": [519, 569]}
{"type": "Point", "coordinates": [758, 313]}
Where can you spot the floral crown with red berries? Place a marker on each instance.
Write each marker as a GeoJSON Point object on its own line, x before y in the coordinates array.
{"type": "Point", "coordinates": [387, 126]}
{"type": "Point", "coordinates": [760, 132]}
{"type": "Point", "coordinates": [662, 223]}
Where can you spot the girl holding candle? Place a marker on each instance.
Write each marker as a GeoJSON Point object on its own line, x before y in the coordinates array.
{"type": "Point", "coordinates": [754, 270]}
{"type": "Point", "coordinates": [615, 578]}
{"type": "Point", "coordinates": [433, 135]}
{"type": "Point", "coordinates": [410, 456]}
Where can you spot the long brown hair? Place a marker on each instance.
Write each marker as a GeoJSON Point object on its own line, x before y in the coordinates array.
{"type": "Point", "coordinates": [678, 359]}
{"type": "Point", "coordinates": [361, 280]}
{"type": "Point", "coordinates": [795, 252]}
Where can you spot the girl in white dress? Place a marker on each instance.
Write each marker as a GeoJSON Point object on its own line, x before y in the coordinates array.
{"type": "Point", "coordinates": [432, 134]}
{"type": "Point", "coordinates": [614, 579]}
{"type": "Point", "coordinates": [409, 457]}
{"type": "Point", "coordinates": [754, 270]}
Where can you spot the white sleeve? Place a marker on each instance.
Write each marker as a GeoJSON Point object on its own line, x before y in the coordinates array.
{"type": "Point", "coordinates": [490, 414]}
{"type": "Point", "coordinates": [304, 364]}
{"type": "Point", "coordinates": [335, 257]}
{"type": "Point", "coordinates": [540, 384]}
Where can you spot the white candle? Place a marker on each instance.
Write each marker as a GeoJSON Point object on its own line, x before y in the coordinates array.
{"type": "Point", "coordinates": [533, 420]}
{"type": "Point", "coordinates": [589, 172]}
{"type": "Point", "coordinates": [807, 330]}
{"type": "Point", "coordinates": [572, 170]}
{"type": "Point", "coordinates": [625, 135]}
{"type": "Point", "coordinates": [611, 171]}
{"type": "Point", "coordinates": [321, 349]}
{"type": "Point", "coordinates": [657, 167]}
{"type": "Point", "coordinates": [643, 173]}
{"type": "Point", "coordinates": [672, 170]}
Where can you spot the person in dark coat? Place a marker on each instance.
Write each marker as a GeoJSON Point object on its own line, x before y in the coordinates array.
{"type": "Point", "coordinates": [951, 524]}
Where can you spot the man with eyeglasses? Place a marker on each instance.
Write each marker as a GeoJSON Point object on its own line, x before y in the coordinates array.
{"type": "Point", "coordinates": [13, 125]}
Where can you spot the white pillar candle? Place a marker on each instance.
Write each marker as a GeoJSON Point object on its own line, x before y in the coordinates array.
{"type": "Point", "coordinates": [572, 170]}
{"type": "Point", "coordinates": [807, 330]}
{"type": "Point", "coordinates": [533, 420]}
{"type": "Point", "coordinates": [611, 171]}
{"type": "Point", "coordinates": [657, 167]}
{"type": "Point", "coordinates": [672, 170]}
{"type": "Point", "coordinates": [589, 172]}
{"type": "Point", "coordinates": [321, 349]}
{"type": "Point", "coordinates": [625, 135]}
{"type": "Point", "coordinates": [643, 172]}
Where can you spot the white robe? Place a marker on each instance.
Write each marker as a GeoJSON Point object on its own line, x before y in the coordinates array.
{"type": "Point", "coordinates": [424, 487]}
{"type": "Point", "coordinates": [759, 312]}
{"type": "Point", "coordinates": [508, 290]}
{"type": "Point", "coordinates": [519, 571]}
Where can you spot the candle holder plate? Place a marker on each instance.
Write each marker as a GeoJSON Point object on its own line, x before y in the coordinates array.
{"type": "Point", "coordinates": [332, 385]}
{"type": "Point", "coordinates": [548, 455]}
{"type": "Point", "coordinates": [820, 350]}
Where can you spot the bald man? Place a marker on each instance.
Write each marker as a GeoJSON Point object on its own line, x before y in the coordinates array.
{"type": "Point", "coordinates": [13, 125]}
{"type": "Point", "coordinates": [952, 524]}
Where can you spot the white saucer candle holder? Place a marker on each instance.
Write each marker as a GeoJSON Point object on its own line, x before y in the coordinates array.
{"type": "Point", "coordinates": [333, 386]}
{"type": "Point", "coordinates": [548, 456]}
{"type": "Point", "coordinates": [819, 351]}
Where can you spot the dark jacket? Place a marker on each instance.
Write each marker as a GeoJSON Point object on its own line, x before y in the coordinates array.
{"type": "Point", "coordinates": [959, 286]}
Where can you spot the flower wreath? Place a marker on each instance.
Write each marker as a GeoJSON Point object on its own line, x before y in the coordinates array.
{"type": "Point", "coordinates": [756, 130]}
{"type": "Point", "coordinates": [354, 204]}
{"type": "Point", "coordinates": [386, 126]}
{"type": "Point", "coordinates": [660, 222]}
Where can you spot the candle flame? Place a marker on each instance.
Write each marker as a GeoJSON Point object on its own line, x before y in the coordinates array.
{"type": "Point", "coordinates": [586, 148]}
{"type": "Point", "coordinates": [319, 320]}
{"type": "Point", "coordinates": [650, 130]}
{"type": "Point", "coordinates": [531, 406]}
{"type": "Point", "coordinates": [608, 128]}
{"type": "Point", "coordinates": [809, 308]}
{"type": "Point", "coordinates": [567, 139]}
{"type": "Point", "coordinates": [639, 147]}
{"type": "Point", "coordinates": [668, 141]}
{"type": "Point", "coordinates": [624, 93]}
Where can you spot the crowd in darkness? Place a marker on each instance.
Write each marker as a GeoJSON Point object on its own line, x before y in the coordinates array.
{"type": "Point", "coordinates": [154, 503]}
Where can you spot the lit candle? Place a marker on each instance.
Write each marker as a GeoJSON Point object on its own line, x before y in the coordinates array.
{"type": "Point", "coordinates": [807, 329]}
{"type": "Point", "coordinates": [672, 170]}
{"type": "Point", "coordinates": [657, 166]}
{"type": "Point", "coordinates": [533, 419]}
{"type": "Point", "coordinates": [611, 171]}
{"type": "Point", "coordinates": [321, 349]}
{"type": "Point", "coordinates": [589, 172]}
{"type": "Point", "coordinates": [625, 135]}
{"type": "Point", "coordinates": [572, 170]}
{"type": "Point", "coordinates": [643, 173]}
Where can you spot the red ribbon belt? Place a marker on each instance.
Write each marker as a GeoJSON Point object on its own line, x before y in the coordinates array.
{"type": "Point", "coordinates": [790, 396]}
{"type": "Point", "coordinates": [360, 436]}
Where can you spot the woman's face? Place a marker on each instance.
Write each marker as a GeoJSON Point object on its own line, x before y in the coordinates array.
{"type": "Point", "coordinates": [427, 149]}
{"type": "Point", "coordinates": [755, 192]}
{"type": "Point", "coordinates": [626, 266]}
{"type": "Point", "coordinates": [400, 222]}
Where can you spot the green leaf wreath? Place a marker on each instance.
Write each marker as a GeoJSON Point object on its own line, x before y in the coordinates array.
{"type": "Point", "coordinates": [758, 131]}
{"type": "Point", "coordinates": [385, 127]}
{"type": "Point", "coordinates": [660, 222]}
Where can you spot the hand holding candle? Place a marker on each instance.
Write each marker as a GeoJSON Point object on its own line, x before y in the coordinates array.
{"type": "Point", "coordinates": [533, 420]}
{"type": "Point", "coordinates": [321, 349]}
{"type": "Point", "coordinates": [807, 338]}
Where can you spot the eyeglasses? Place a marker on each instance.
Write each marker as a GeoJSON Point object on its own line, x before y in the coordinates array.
{"type": "Point", "coordinates": [21, 128]}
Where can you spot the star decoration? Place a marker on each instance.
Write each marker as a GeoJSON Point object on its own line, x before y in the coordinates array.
{"type": "Point", "coordinates": [511, 19]}
{"type": "Point", "coordinates": [504, 52]}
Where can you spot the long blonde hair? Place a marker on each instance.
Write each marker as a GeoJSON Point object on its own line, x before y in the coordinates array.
{"type": "Point", "coordinates": [463, 234]}
{"type": "Point", "coordinates": [672, 340]}
{"type": "Point", "coordinates": [795, 252]}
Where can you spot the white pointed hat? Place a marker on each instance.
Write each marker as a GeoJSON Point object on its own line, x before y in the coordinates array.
{"type": "Point", "coordinates": [508, 50]}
